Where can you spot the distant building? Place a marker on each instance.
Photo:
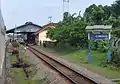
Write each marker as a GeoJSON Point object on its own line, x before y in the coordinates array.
{"type": "Point", "coordinates": [26, 31]}
{"type": "Point", "coordinates": [41, 35]}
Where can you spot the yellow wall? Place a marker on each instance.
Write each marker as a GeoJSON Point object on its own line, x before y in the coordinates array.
{"type": "Point", "coordinates": [43, 36]}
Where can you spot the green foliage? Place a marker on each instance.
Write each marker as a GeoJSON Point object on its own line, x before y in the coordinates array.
{"type": "Point", "coordinates": [71, 30]}
{"type": "Point", "coordinates": [97, 14]}
{"type": "Point", "coordinates": [15, 44]}
{"type": "Point", "coordinates": [115, 47]}
{"type": "Point", "coordinates": [93, 44]}
{"type": "Point", "coordinates": [32, 70]}
{"type": "Point", "coordinates": [116, 8]}
{"type": "Point", "coordinates": [116, 32]}
{"type": "Point", "coordinates": [116, 56]}
{"type": "Point", "coordinates": [109, 15]}
{"type": "Point", "coordinates": [100, 45]}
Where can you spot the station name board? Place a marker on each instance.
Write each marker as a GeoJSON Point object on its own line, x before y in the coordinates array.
{"type": "Point", "coordinates": [99, 36]}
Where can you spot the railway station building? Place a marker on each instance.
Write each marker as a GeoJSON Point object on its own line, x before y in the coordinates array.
{"type": "Point", "coordinates": [25, 32]}
{"type": "Point", "coordinates": [41, 34]}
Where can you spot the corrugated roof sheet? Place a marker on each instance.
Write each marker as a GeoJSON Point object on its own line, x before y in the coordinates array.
{"type": "Point", "coordinates": [26, 24]}
{"type": "Point", "coordinates": [99, 27]}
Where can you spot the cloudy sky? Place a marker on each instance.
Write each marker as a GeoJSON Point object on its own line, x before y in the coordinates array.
{"type": "Point", "coordinates": [37, 11]}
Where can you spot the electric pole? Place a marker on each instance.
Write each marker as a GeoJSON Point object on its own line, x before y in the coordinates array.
{"type": "Point", "coordinates": [50, 19]}
{"type": "Point", "coordinates": [65, 6]}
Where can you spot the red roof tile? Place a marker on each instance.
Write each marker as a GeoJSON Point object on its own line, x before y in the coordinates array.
{"type": "Point", "coordinates": [45, 27]}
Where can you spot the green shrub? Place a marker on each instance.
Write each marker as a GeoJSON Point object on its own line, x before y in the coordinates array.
{"type": "Point", "coordinates": [31, 70]}
{"type": "Point", "coordinates": [93, 45]}
{"type": "Point", "coordinates": [15, 44]}
{"type": "Point", "coordinates": [116, 56]}
{"type": "Point", "coordinates": [100, 45]}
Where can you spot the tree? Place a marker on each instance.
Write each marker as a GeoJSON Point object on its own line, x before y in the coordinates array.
{"type": "Point", "coordinates": [71, 30]}
{"type": "Point", "coordinates": [115, 8]}
{"type": "Point", "coordinates": [116, 56]}
{"type": "Point", "coordinates": [97, 14]}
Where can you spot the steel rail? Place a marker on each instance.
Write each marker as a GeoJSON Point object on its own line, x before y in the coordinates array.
{"type": "Point", "coordinates": [70, 74]}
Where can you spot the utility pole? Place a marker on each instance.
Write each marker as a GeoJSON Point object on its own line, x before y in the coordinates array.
{"type": "Point", "coordinates": [50, 19]}
{"type": "Point", "coordinates": [14, 33]}
{"type": "Point", "coordinates": [65, 6]}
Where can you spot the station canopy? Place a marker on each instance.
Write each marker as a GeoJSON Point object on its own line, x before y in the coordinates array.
{"type": "Point", "coordinates": [28, 27]}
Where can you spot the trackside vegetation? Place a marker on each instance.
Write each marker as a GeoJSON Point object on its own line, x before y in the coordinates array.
{"type": "Point", "coordinates": [72, 31]}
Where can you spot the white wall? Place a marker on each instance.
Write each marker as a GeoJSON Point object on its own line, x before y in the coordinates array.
{"type": "Point", "coordinates": [43, 36]}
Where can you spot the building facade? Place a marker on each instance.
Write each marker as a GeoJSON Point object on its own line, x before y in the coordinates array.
{"type": "Point", "coordinates": [26, 31]}
{"type": "Point", "coordinates": [41, 35]}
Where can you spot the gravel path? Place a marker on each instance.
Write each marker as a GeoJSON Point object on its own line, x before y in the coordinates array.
{"type": "Point", "coordinates": [44, 72]}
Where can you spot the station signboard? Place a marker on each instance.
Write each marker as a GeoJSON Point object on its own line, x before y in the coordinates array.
{"type": "Point", "coordinates": [99, 36]}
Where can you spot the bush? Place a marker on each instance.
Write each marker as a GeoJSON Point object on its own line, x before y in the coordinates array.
{"type": "Point", "coordinates": [100, 45]}
{"type": "Point", "coordinates": [93, 45]}
{"type": "Point", "coordinates": [116, 56]}
{"type": "Point", "coordinates": [15, 44]}
{"type": "Point", "coordinates": [31, 70]}
{"type": "Point", "coordinates": [71, 30]}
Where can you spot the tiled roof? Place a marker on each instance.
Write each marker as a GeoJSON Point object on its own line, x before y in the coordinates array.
{"type": "Point", "coordinates": [46, 27]}
{"type": "Point", "coordinates": [50, 24]}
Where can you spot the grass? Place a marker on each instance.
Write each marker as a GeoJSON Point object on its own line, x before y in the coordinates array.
{"type": "Point", "coordinates": [79, 57]}
{"type": "Point", "coordinates": [18, 73]}
{"type": "Point", "coordinates": [20, 77]}
{"type": "Point", "coordinates": [13, 58]}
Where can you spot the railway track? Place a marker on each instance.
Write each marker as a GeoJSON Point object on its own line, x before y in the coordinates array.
{"type": "Point", "coordinates": [73, 76]}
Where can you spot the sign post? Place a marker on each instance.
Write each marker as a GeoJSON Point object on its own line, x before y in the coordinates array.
{"type": "Point", "coordinates": [95, 35]}
{"type": "Point", "coordinates": [89, 52]}
{"type": "Point", "coordinates": [109, 52]}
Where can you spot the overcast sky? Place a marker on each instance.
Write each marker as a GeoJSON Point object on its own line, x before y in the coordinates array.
{"type": "Point", "coordinates": [37, 11]}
